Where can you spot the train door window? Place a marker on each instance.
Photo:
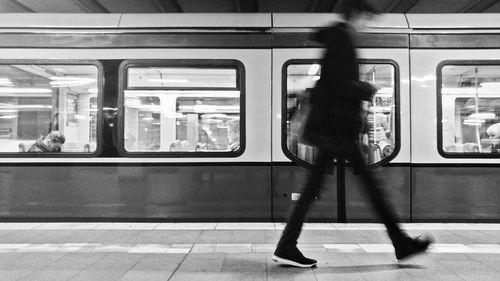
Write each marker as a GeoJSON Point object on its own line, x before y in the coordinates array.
{"type": "Point", "coordinates": [183, 108]}
{"type": "Point", "coordinates": [380, 136]}
{"type": "Point", "coordinates": [469, 109]}
{"type": "Point", "coordinates": [48, 108]}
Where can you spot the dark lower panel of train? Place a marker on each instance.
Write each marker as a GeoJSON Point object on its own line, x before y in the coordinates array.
{"type": "Point", "coordinates": [456, 194]}
{"type": "Point", "coordinates": [394, 182]}
{"type": "Point", "coordinates": [237, 193]}
{"type": "Point", "coordinates": [290, 179]}
{"type": "Point", "coordinates": [209, 193]}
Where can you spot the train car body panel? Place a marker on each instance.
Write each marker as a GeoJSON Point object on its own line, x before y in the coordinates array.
{"type": "Point", "coordinates": [454, 193]}
{"type": "Point", "coordinates": [424, 109]}
{"type": "Point", "coordinates": [258, 108]}
{"type": "Point", "coordinates": [453, 21]}
{"type": "Point", "coordinates": [439, 103]}
{"type": "Point", "coordinates": [395, 180]}
{"type": "Point", "coordinates": [193, 20]}
{"type": "Point", "coordinates": [140, 193]}
{"type": "Point", "coordinates": [288, 181]}
{"type": "Point", "coordinates": [53, 20]}
{"type": "Point", "coordinates": [289, 20]}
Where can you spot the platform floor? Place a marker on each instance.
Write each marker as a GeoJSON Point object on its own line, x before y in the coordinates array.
{"type": "Point", "coordinates": [238, 251]}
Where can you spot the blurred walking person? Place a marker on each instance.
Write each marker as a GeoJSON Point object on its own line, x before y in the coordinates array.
{"type": "Point", "coordinates": [333, 127]}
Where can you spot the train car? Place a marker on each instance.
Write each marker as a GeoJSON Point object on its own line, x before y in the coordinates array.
{"type": "Point", "coordinates": [191, 117]}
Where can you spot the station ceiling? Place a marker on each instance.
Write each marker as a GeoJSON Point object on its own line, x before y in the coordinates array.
{"type": "Point", "coordinates": [240, 6]}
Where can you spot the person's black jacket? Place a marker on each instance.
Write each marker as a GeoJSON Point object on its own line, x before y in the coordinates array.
{"type": "Point", "coordinates": [336, 99]}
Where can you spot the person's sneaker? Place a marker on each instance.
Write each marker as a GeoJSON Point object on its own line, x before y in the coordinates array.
{"type": "Point", "coordinates": [409, 247]}
{"type": "Point", "coordinates": [292, 257]}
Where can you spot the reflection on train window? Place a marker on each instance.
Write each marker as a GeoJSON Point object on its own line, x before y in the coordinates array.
{"type": "Point", "coordinates": [470, 100]}
{"type": "Point", "coordinates": [181, 77]}
{"type": "Point", "coordinates": [48, 108]}
{"type": "Point", "coordinates": [378, 137]}
{"type": "Point", "coordinates": [183, 109]}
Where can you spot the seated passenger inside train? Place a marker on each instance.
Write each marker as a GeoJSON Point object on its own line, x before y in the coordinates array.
{"type": "Point", "coordinates": [179, 145]}
{"type": "Point", "coordinates": [234, 134]}
{"type": "Point", "coordinates": [204, 142]}
{"type": "Point", "coordinates": [50, 143]}
{"type": "Point", "coordinates": [493, 141]}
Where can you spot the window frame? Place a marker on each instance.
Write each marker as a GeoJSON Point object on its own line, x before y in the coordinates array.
{"type": "Point", "coordinates": [284, 93]}
{"type": "Point", "coordinates": [195, 63]}
{"type": "Point", "coordinates": [100, 99]}
{"type": "Point", "coordinates": [439, 111]}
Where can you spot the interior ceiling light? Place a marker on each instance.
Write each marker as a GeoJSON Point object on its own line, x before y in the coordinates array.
{"type": "Point", "coordinates": [6, 82]}
{"type": "Point", "coordinates": [69, 81]}
{"type": "Point", "coordinates": [483, 115]}
{"type": "Point", "coordinates": [313, 69]}
{"type": "Point", "coordinates": [155, 80]}
{"type": "Point", "coordinates": [474, 121]}
{"type": "Point", "coordinates": [485, 84]}
{"type": "Point", "coordinates": [25, 90]}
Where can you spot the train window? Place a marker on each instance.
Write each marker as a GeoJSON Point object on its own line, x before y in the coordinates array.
{"type": "Point", "coordinates": [469, 110]}
{"type": "Point", "coordinates": [380, 135]}
{"type": "Point", "coordinates": [183, 110]}
{"type": "Point", "coordinates": [48, 108]}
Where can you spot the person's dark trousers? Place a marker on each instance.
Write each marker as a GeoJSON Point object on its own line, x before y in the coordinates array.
{"type": "Point", "coordinates": [312, 189]}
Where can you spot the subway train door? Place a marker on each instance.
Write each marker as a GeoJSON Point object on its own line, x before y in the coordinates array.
{"type": "Point", "coordinates": [295, 72]}
{"type": "Point", "coordinates": [385, 140]}
{"type": "Point", "coordinates": [296, 68]}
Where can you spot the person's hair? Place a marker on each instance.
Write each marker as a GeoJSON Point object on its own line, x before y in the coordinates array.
{"type": "Point", "coordinates": [234, 125]}
{"type": "Point", "coordinates": [57, 137]}
{"type": "Point", "coordinates": [354, 7]}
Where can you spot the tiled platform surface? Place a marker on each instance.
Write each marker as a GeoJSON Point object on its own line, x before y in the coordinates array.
{"type": "Point", "coordinates": [232, 251]}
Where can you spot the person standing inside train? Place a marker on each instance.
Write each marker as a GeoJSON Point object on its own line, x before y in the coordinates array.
{"type": "Point", "coordinates": [333, 127]}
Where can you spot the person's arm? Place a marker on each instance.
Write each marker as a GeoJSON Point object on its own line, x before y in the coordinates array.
{"type": "Point", "coordinates": [356, 90]}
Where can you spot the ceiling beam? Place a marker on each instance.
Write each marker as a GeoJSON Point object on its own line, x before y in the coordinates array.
{"type": "Point", "coordinates": [322, 6]}
{"type": "Point", "coordinates": [477, 6]}
{"type": "Point", "coordinates": [92, 6]}
{"type": "Point", "coordinates": [409, 4]}
{"type": "Point", "coordinates": [177, 5]}
{"type": "Point", "coordinates": [333, 4]}
{"type": "Point", "coordinates": [169, 6]}
{"type": "Point", "coordinates": [402, 6]}
{"type": "Point", "coordinates": [247, 6]}
{"type": "Point", "coordinates": [313, 6]}
{"type": "Point", "coordinates": [23, 6]}
{"type": "Point", "coordinates": [37, 71]}
{"type": "Point", "coordinates": [158, 4]}
{"type": "Point", "coordinates": [395, 7]}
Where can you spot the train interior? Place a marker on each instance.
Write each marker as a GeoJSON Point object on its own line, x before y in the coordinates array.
{"type": "Point", "coordinates": [181, 109]}
{"type": "Point", "coordinates": [38, 99]}
{"type": "Point", "coordinates": [378, 138]}
{"type": "Point", "coordinates": [166, 109]}
{"type": "Point", "coordinates": [471, 108]}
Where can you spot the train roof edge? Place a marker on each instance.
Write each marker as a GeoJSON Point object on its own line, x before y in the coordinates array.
{"type": "Point", "coordinates": [454, 21]}
{"type": "Point", "coordinates": [240, 20]}
{"type": "Point", "coordinates": [286, 20]}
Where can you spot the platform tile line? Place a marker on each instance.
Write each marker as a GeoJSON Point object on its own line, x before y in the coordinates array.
{"type": "Point", "coordinates": [242, 226]}
{"type": "Point", "coordinates": [234, 248]}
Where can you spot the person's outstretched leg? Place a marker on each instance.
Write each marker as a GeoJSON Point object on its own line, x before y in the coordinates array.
{"type": "Point", "coordinates": [286, 250]}
{"type": "Point", "coordinates": [403, 244]}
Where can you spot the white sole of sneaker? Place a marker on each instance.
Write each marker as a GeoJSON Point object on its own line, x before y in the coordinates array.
{"type": "Point", "coordinates": [283, 261]}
